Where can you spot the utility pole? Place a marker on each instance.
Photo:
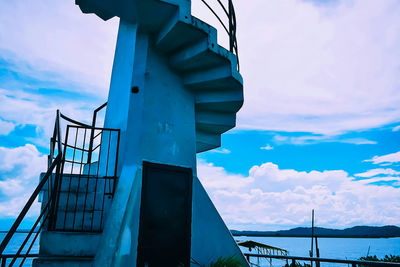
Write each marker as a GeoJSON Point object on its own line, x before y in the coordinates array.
{"type": "Point", "coordinates": [312, 236]}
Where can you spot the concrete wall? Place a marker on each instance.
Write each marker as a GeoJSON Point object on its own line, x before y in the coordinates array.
{"type": "Point", "coordinates": [158, 125]}
{"type": "Point", "coordinates": [211, 239]}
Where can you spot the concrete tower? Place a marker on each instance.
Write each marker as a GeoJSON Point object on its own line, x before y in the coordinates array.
{"type": "Point", "coordinates": [173, 92]}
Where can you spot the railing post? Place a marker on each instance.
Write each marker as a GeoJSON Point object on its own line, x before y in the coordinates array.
{"type": "Point", "coordinates": [231, 41]}
{"type": "Point", "coordinates": [3, 261]}
{"type": "Point", "coordinates": [353, 265]}
{"type": "Point", "coordinates": [293, 263]}
{"type": "Point", "coordinates": [53, 196]}
{"type": "Point", "coordinates": [89, 159]}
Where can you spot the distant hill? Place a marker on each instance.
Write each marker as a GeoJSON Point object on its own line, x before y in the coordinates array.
{"type": "Point", "coordinates": [353, 232]}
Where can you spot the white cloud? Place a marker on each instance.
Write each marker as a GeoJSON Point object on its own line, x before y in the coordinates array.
{"type": "Point", "coordinates": [6, 127]}
{"type": "Point", "coordinates": [358, 141]}
{"type": "Point", "coordinates": [270, 197]}
{"type": "Point", "coordinates": [324, 69]}
{"type": "Point", "coordinates": [19, 175]}
{"type": "Point", "coordinates": [267, 147]}
{"type": "Point", "coordinates": [304, 65]}
{"type": "Point", "coordinates": [385, 159]}
{"type": "Point", "coordinates": [56, 36]}
{"type": "Point", "coordinates": [23, 108]}
{"type": "Point", "coordinates": [375, 172]}
{"type": "Point", "coordinates": [314, 139]}
{"type": "Point", "coordinates": [397, 128]}
{"type": "Point", "coordinates": [221, 151]}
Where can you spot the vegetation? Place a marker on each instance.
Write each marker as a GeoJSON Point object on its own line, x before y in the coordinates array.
{"type": "Point", "coordinates": [391, 258]}
{"type": "Point", "coordinates": [227, 262]}
{"type": "Point", "coordinates": [298, 264]}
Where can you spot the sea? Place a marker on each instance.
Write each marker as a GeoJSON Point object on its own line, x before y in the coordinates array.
{"type": "Point", "coordinates": [337, 248]}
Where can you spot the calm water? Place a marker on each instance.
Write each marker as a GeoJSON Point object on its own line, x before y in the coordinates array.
{"type": "Point", "coordinates": [15, 243]}
{"type": "Point", "coordinates": [339, 248]}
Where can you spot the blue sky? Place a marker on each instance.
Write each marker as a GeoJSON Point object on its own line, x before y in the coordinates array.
{"type": "Point", "coordinates": [319, 128]}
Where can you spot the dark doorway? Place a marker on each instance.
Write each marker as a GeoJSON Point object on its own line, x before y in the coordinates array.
{"type": "Point", "coordinates": [165, 216]}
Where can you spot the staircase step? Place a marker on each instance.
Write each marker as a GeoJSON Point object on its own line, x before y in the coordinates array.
{"type": "Point", "coordinates": [53, 243]}
{"type": "Point", "coordinates": [206, 141]}
{"type": "Point", "coordinates": [81, 221]}
{"type": "Point", "coordinates": [214, 122]}
{"type": "Point", "coordinates": [217, 78]}
{"type": "Point", "coordinates": [81, 183]}
{"type": "Point", "coordinates": [70, 201]}
{"type": "Point", "coordinates": [225, 101]}
{"type": "Point", "coordinates": [179, 33]}
{"type": "Point", "coordinates": [60, 261]}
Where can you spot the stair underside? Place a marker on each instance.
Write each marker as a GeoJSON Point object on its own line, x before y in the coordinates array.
{"type": "Point", "coordinates": [208, 70]}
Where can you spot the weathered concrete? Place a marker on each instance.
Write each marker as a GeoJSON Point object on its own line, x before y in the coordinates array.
{"type": "Point", "coordinates": [173, 92]}
{"type": "Point", "coordinates": [74, 244]}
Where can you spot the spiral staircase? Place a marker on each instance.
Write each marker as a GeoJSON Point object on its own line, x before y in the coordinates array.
{"type": "Point", "coordinates": [207, 70]}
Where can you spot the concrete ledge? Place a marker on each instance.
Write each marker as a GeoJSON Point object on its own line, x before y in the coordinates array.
{"type": "Point", "coordinates": [68, 244]}
{"type": "Point", "coordinates": [63, 261]}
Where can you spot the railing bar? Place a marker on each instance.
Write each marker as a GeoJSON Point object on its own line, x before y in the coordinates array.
{"type": "Point", "coordinates": [18, 254]}
{"type": "Point", "coordinates": [215, 14]}
{"type": "Point", "coordinates": [116, 165]}
{"type": "Point", "coordinates": [95, 189]}
{"type": "Point", "coordinates": [100, 108]}
{"type": "Point", "coordinates": [223, 7]}
{"type": "Point", "coordinates": [77, 148]}
{"type": "Point", "coordinates": [62, 178]}
{"type": "Point", "coordinates": [116, 155]}
{"type": "Point", "coordinates": [92, 131]}
{"type": "Point", "coordinates": [73, 162]}
{"type": "Point", "coordinates": [54, 200]}
{"type": "Point", "coordinates": [96, 128]}
{"type": "Point", "coordinates": [49, 189]}
{"type": "Point", "coordinates": [28, 236]}
{"type": "Point", "coordinates": [323, 260]}
{"type": "Point", "coordinates": [58, 133]}
{"type": "Point", "coordinates": [74, 121]}
{"type": "Point", "coordinates": [97, 135]}
{"type": "Point", "coordinates": [94, 149]}
{"type": "Point", "coordinates": [108, 152]}
{"type": "Point", "coordinates": [79, 182]}
{"type": "Point", "coordinates": [33, 242]}
{"type": "Point", "coordinates": [27, 206]}
{"type": "Point", "coordinates": [105, 181]}
{"type": "Point", "coordinates": [70, 179]}
{"type": "Point", "coordinates": [97, 174]}
{"type": "Point", "coordinates": [57, 183]}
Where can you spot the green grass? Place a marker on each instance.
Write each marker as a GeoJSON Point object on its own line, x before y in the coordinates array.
{"type": "Point", "coordinates": [227, 262]}
{"type": "Point", "coordinates": [391, 258]}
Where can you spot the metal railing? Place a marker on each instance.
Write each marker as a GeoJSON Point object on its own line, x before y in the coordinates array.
{"type": "Point", "coordinates": [317, 261]}
{"type": "Point", "coordinates": [92, 179]}
{"type": "Point", "coordinates": [47, 210]}
{"type": "Point", "coordinates": [88, 178]}
{"type": "Point", "coordinates": [230, 29]}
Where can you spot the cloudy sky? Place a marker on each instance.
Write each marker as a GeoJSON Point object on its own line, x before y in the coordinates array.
{"type": "Point", "coordinates": [319, 129]}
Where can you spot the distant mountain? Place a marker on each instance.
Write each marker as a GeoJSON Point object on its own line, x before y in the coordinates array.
{"type": "Point", "coordinates": [353, 232]}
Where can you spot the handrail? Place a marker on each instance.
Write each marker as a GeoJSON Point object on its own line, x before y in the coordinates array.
{"type": "Point", "coordinates": [73, 121]}
{"type": "Point", "coordinates": [54, 164]}
{"type": "Point", "coordinates": [52, 178]}
{"type": "Point", "coordinates": [28, 205]}
{"type": "Point", "coordinates": [311, 259]}
{"type": "Point", "coordinates": [92, 132]}
{"type": "Point", "coordinates": [231, 28]}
